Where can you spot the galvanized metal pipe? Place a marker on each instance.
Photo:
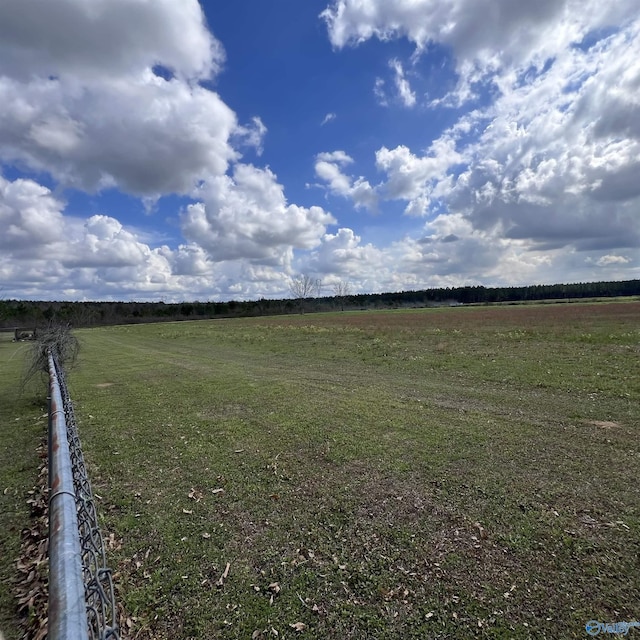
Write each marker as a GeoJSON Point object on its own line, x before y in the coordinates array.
{"type": "Point", "coordinates": [67, 605]}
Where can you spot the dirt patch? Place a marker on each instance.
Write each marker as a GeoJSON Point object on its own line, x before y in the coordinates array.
{"type": "Point", "coordinates": [604, 424]}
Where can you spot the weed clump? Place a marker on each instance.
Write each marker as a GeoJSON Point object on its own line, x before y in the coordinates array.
{"type": "Point", "coordinates": [56, 339]}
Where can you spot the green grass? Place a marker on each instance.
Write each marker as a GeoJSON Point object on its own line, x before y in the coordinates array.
{"type": "Point", "coordinates": [454, 473]}
{"type": "Point", "coordinates": [23, 425]}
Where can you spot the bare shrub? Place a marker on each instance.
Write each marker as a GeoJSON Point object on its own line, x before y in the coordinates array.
{"type": "Point", "coordinates": [55, 338]}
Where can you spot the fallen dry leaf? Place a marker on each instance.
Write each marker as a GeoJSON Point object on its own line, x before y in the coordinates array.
{"type": "Point", "coordinates": [31, 585]}
{"type": "Point", "coordinates": [274, 587]}
{"type": "Point", "coordinates": [298, 626]}
{"type": "Point", "coordinates": [481, 531]}
{"type": "Point", "coordinates": [187, 511]}
{"type": "Point", "coordinates": [223, 577]}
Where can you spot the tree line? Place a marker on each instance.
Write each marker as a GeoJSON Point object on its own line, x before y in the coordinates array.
{"type": "Point", "coordinates": [32, 313]}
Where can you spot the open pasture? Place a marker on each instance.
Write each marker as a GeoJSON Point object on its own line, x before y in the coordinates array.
{"type": "Point", "coordinates": [442, 473]}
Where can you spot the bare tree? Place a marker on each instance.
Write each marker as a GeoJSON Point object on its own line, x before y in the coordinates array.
{"type": "Point", "coordinates": [341, 290]}
{"type": "Point", "coordinates": [302, 287]}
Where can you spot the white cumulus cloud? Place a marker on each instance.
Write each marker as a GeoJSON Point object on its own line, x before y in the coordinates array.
{"type": "Point", "coordinates": [30, 217]}
{"type": "Point", "coordinates": [107, 38]}
{"type": "Point", "coordinates": [117, 94]}
{"type": "Point", "coordinates": [608, 260]}
{"type": "Point", "coordinates": [329, 167]}
{"type": "Point", "coordinates": [247, 216]}
{"type": "Point", "coordinates": [418, 179]}
{"type": "Point", "coordinates": [552, 160]}
{"type": "Point", "coordinates": [83, 102]}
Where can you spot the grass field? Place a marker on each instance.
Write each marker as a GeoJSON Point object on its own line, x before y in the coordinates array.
{"type": "Point", "coordinates": [23, 425]}
{"type": "Point", "coordinates": [444, 473]}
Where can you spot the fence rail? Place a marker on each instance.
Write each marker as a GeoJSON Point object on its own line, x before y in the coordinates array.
{"type": "Point", "coordinates": [81, 594]}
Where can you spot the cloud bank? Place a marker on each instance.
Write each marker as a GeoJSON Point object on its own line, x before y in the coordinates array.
{"type": "Point", "coordinates": [533, 178]}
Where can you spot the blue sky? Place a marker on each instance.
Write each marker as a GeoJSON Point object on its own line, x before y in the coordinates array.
{"type": "Point", "coordinates": [181, 151]}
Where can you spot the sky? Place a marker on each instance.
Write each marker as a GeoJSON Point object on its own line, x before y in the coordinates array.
{"type": "Point", "coordinates": [164, 150]}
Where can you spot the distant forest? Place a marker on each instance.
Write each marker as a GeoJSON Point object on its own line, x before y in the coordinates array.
{"type": "Point", "coordinates": [31, 314]}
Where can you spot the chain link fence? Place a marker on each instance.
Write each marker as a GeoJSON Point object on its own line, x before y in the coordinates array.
{"type": "Point", "coordinates": [102, 613]}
